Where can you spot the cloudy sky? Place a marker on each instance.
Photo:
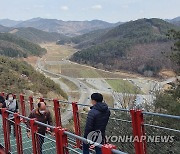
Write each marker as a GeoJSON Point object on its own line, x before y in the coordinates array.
{"type": "Point", "coordinates": [108, 10]}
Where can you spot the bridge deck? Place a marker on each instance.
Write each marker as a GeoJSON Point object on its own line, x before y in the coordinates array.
{"type": "Point", "coordinates": [49, 146]}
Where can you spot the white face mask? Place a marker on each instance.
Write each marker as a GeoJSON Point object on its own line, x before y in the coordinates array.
{"type": "Point", "coordinates": [10, 98]}
{"type": "Point", "coordinates": [42, 112]}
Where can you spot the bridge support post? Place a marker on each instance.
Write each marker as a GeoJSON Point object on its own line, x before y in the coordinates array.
{"type": "Point", "coordinates": [61, 140]}
{"type": "Point", "coordinates": [64, 141]}
{"type": "Point", "coordinates": [34, 129]}
{"type": "Point", "coordinates": [18, 133]}
{"type": "Point", "coordinates": [107, 148]}
{"type": "Point", "coordinates": [76, 123]}
{"type": "Point", "coordinates": [57, 137]}
{"type": "Point", "coordinates": [138, 131]}
{"type": "Point", "coordinates": [23, 108]}
{"type": "Point", "coordinates": [57, 113]}
{"type": "Point", "coordinates": [31, 103]}
{"type": "Point", "coordinates": [5, 130]}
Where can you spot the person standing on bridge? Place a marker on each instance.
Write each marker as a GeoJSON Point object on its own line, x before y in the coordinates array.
{"type": "Point", "coordinates": [97, 120]}
{"type": "Point", "coordinates": [2, 103]}
{"type": "Point", "coordinates": [11, 105]}
{"type": "Point", "coordinates": [43, 115]}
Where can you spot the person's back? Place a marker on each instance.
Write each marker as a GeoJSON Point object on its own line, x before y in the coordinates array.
{"type": "Point", "coordinates": [97, 120]}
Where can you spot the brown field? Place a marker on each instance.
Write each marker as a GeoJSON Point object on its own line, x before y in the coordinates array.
{"type": "Point", "coordinates": [57, 52]}
{"type": "Point", "coordinates": [167, 73]}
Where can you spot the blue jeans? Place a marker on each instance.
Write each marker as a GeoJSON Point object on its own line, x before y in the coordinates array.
{"type": "Point", "coordinates": [86, 149]}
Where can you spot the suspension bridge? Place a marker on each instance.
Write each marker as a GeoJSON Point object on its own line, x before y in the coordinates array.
{"type": "Point", "coordinates": [68, 136]}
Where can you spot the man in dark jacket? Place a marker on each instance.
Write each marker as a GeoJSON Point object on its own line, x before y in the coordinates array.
{"type": "Point", "coordinates": [42, 115]}
{"type": "Point", "coordinates": [96, 122]}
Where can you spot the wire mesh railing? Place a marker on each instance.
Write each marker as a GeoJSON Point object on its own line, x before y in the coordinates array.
{"type": "Point", "coordinates": [12, 134]}
{"type": "Point", "coordinates": [26, 141]}
{"type": "Point", "coordinates": [1, 133]}
{"type": "Point", "coordinates": [83, 116]}
{"type": "Point", "coordinates": [120, 127]}
{"type": "Point", "coordinates": [46, 144]}
{"type": "Point", "coordinates": [162, 133]}
{"type": "Point", "coordinates": [57, 142]}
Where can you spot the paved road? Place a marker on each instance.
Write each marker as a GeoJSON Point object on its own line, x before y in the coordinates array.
{"type": "Point", "coordinates": [84, 90]}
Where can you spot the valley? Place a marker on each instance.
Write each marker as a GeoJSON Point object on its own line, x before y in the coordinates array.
{"type": "Point", "coordinates": [128, 65]}
{"type": "Point", "coordinates": [119, 88]}
{"type": "Point", "coordinates": [90, 77]}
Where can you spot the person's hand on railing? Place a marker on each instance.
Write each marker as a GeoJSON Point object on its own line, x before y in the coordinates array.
{"type": "Point", "coordinates": [48, 130]}
{"type": "Point", "coordinates": [29, 134]}
{"type": "Point", "coordinates": [52, 134]}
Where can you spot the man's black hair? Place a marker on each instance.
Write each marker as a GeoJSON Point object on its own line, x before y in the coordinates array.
{"type": "Point", "coordinates": [97, 97]}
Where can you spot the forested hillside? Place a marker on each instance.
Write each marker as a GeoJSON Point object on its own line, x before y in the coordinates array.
{"type": "Point", "coordinates": [134, 46]}
{"type": "Point", "coordinates": [13, 46]}
{"type": "Point", "coordinates": [85, 38]}
{"type": "Point", "coordinates": [175, 21]}
{"type": "Point", "coordinates": [17, 76]}
{"type": "Point", "coordinates": [33, 35]}
{"type": "Point", "coordinates": [4, 29]}
{"type": "Point", "coordinates": [37, 36]}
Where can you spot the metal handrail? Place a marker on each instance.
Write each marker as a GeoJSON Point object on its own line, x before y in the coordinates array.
{"type": "Point", "coordinates": [162, 115]}
{"type": "Point", "coordinates": [37, 122]}
{"type": "Point", "coordinates": [86, 105]}
{"type": "Point", "coordinates": [160, 127]}
{"type": "Point", "coordinates": [115, 109]}
{"type": "Point", "coordinates": [96, 144]}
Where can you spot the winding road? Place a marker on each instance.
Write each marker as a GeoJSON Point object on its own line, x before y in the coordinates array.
{"type": "Point", "coordinates": [84, 90]}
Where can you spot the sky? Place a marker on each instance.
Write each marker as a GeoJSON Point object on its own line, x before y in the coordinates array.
{"type": "Point", "coordinates": [78, 10]}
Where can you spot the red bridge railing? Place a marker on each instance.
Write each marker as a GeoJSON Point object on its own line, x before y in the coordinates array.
{"type": "Point", "coordinates": [129, 123]}
{"type": "Point", "coordinates": [60, 140]}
